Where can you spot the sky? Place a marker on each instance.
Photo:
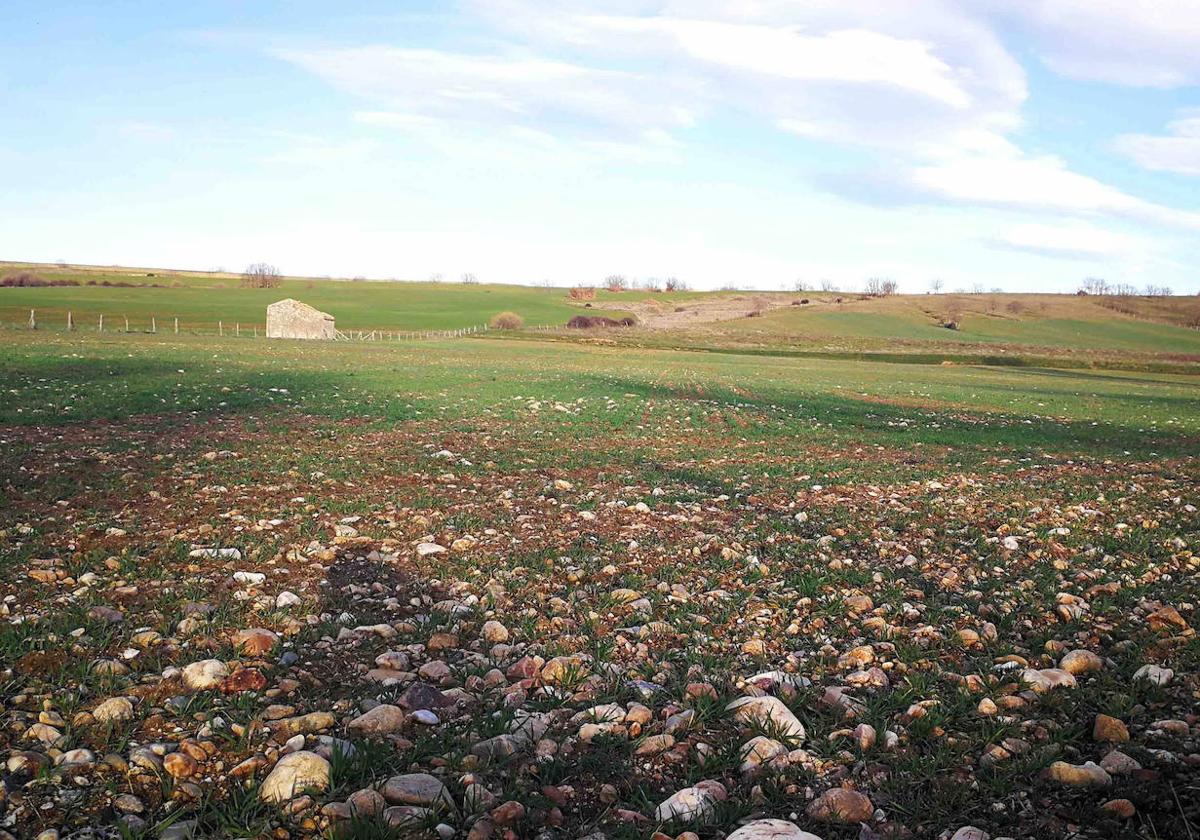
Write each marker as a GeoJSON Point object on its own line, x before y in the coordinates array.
{"type": "Point", "coordinates": [1014, 144]}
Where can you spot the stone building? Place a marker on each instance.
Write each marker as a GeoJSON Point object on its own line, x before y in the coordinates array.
{"type": "Point", "coordinates": [293, 319]}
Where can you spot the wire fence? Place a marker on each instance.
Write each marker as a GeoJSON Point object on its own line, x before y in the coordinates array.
{"type": "Point", "coordinates": [171, 325]}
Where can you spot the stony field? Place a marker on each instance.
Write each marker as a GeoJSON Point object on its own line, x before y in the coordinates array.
{"type": "Point", "coordinates": [489, 589]}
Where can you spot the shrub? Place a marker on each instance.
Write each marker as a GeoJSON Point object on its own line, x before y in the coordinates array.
{"type": "Point", "coordinates": [29, 279]}
{"type": "Point", "coordinates": [261, 276]}
{"type": "Point", "coordinates": [506, 321]}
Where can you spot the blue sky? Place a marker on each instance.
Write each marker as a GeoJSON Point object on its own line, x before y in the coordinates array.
{"type": "Point", "coordinates": [1003, 143]}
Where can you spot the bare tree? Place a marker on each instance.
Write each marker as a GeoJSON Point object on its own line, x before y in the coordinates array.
{"type": "Point", "coordinates": [261, 276]}
{"type": "Point", "coordinates": [615, 282]}
{"type": "Point", "coordinates": [470, 279]}
{"type": "Point", "coordinates": [436, 277]}
{"type": "Point", "coordinates": [881, 286]}
{"type": "Point", "coordinates": [826, 285]}
{"type": "Point", "coordinates": [674, 284]}
{"type": "Point", "coordinates": [799, 285]}
{"type": "Point", "coordinates": [935, 285]}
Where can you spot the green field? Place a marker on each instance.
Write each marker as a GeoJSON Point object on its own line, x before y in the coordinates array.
{"type": "Point", "coordinates": [201, 301]}
{"type": "Point", "coordinates": [546, 572]}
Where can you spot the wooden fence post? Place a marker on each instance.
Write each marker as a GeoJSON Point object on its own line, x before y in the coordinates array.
{"type": "Point", "coordinates": [101, 323]}
{"type": "Point", "coordinates": [153, 325]}
{"type": "Point", "coordinates": [177, 325]}
{"type": "Point", "coordinates": [237, 328]}
{"type": "Point", "coordinates": [126, 323]}
{"type": "Point", "coordinates": [69, 324]}
{"type": "Point", "coordinates": [32, 320]}
{"type": "Point", "coordinates": [220, 328]}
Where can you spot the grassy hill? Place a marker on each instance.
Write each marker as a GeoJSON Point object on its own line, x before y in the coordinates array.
{"type": "Point", "coordinates": [1107, 328]}
{"type": "Point", "coordinates": [985, 323]}
{"type": "Point", "coordinates": [201, 299]}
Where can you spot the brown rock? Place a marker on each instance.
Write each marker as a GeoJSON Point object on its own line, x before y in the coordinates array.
{"type": "Point", "coordinates": [1110, 730]}
{"type": "Point", "coordinates": [243, 679]}
{"type": "Point", "coordinates": [256, 641]}
{"type": "Point", "coordinates": [1119, 808]}
{"type": "Point", "coordinates": [180, 765]}
{"type": "Point", "coordinates": [841, 805]}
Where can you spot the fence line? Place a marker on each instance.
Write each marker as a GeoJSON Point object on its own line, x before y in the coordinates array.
{"type": "Point", "coordinates": [74, 323]}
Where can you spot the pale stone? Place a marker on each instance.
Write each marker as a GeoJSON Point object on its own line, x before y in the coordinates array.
{"type": "Point", "coordinates": [295, 773]}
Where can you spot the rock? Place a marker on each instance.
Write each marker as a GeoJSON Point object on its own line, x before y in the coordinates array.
{"type": "Point", "coordinates": [366, 803]}
{"type": "Point", "coordinates": [302, 725]}
{"type": "Point", "coordinates": [494, 633]}
{"type": "Point", "coordinates": [180, 765]}
{"type": "Point", "coordinates": [127, 803]}
{"type": "Point", "coordinates": [1166, 620]}
{"type": "Point", "coordinates": [384, 719]}
{"type": "Point", "coordinates": [204, 675]}
{"type": "Point", "coordinates": [416, 789]}
{"type": "Point", "coordinates": [243, 679]}
{"type": "Point", "coordinates": [425, 717]}
{"type": "Point", "coordinates": [181, 830]}
{"type": "Point", "coordinates": [426, 548]}
{"type": "Point", "coordinates": [507, 813]}
{"type": "Point", "coordinates": [771, 830]}
{"type": "Point", "coordinates": [1109, 730]}
{"type": "Point", "coordinates": [286, 599]}
{"type": "Point", "coordinates": [654, 745]}
{"type": "Point", "coordinates": [295, 773]}
{"type": "Point", "coordinates": [970, 832]}
{"type": "Point", "coordinates": [758, 751]}
{"type": "Point", "coordinates": [771, 713]}
{"type": "Point", "coordinates": [1079, 662]}
{"type": "Point", "coordinates": [1154, 675]}
{"type": "Point", "coordinates": [255, 641]}
{"type": "Point", "coordinates": [1118, 763]}
{"type": "Point", "coordinates": [692, 804]}
{"type": "Point", "coordinates": [113, 710]}
{"type": "Point", "coordinates": [841, 805]}
{"type": "Point", "coordinates": [1088, 774]}
{"type": "Point", "coordinates": [864, 736]}
{"type": "Point", "coordinates": [1122, 809]}
{"type": "Point", "coordinates": [1047, 679]}
{"type": "Point", "coordinates": [421, 695]}
{"type": "Point", "coordinates": [563, 667]}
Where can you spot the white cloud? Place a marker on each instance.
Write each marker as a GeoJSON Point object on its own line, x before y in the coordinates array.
{"type": "Point", "coordinates": [486, 89]}
{"type": "Point", "coordinates": [1038, 183]}
{"type": "Point", "coordinates": [1178, 151]}
{"type": "Point", "coordinates": [1139, 43]}
{"type": "Point", "coordinates": [1076, 241]}
{"type": "Point", "coordinates": [930, 88]}
{"type": "Point", "coordinates": [856, 56]}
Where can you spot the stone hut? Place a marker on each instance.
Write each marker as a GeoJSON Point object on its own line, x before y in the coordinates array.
{"type": "Point", "coordinates": [293, 319]}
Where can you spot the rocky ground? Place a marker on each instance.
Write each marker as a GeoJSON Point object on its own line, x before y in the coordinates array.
{"type": "Point", "coordinates": [246, 631]}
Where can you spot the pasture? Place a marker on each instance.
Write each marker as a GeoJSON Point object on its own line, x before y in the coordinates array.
{"type": "Point", "coordinates": [501, 587]}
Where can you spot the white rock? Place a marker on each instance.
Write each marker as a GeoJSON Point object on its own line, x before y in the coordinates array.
{"type": "Point", "coordinates": [771, 712]}
{"type": "Point", "coordinates": [249, 578]}
{"type": "Point", "coordinates": [286, 599]}
{"type": "Point", "coordinates": [295, 773]}
{"type": "Point", "coordinates": [1154, 674]}
{"type": "Point", "coordinates": [215, 554]}
{"type": "Point", "coordinates": [970, 832]}
{"type": "Point", "coordinates": [692, 804]}
{"type": "Point", "coordinates": [113, 710]}
{"type": "Point", "coordinates": [424, 549]}
{"type": "Point", "coordinates": [204, 675]}
{"type": "Point", "coordinates": [771, 830]}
